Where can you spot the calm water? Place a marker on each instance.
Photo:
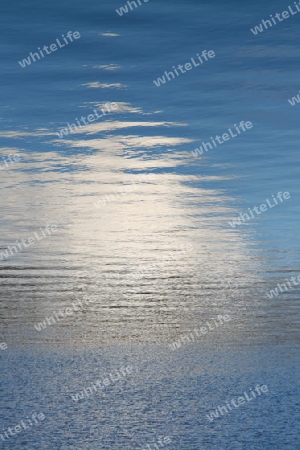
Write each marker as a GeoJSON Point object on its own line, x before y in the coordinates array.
{"type": "Point", "coordinates": [161, 259]}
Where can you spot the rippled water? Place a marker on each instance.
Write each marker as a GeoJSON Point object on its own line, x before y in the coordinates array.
{"type": "Point", "coordinates": [143, 225]}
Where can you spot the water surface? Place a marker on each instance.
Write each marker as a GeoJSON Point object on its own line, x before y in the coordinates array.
{"type": "Point", "coordinates": [160, 259]}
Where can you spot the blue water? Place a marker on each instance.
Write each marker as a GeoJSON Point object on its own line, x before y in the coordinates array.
{"type": "Point", "coordinates": [187, 203]}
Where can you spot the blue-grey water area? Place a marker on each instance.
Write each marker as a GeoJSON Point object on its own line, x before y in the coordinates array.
{"type": "Point", "coordinates": [141, 227]}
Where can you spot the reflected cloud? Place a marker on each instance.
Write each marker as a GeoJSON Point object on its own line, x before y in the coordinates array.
{"type": "Point", "coordinates": [120, 107]}
{"type": "Point", "coordinates": [110, 34]}
{"type": "Point", "coordinates": [20, 134]}
{"type": "Point", "coordinates": [127, 141]}
{"type": "Point", "coordinates": [140, 229]}
{"type": "Point", "coordinates": [133, 231]}
{"type": "Point", "coordinates": [97, 85]}
{"type": "Point", "coordinates": [94, 128]}
{"type": "Point", "coordinates": [6, 151]}
{"type": "Point", "coordinates": [107, 67]}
